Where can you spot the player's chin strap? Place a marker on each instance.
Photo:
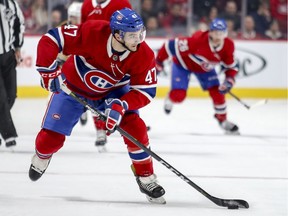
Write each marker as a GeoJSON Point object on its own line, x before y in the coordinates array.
{"type": "Point", "coordinates": [230, 203]}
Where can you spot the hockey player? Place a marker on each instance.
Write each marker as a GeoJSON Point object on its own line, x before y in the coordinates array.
{"type": "Point", "coordinates": [103, 60]}
{"type": "Point", "coordinates": [199, 54]}
{"type": "Point", "coordinates": [74, 18]}
{"type": "Point", "coordinates": [100, 10]}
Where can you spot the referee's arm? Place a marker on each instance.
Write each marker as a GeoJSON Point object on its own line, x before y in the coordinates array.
{"type": "Point", "coordinates": [18, 33]}
{"type": "Point", "coordinates": [19, 27]}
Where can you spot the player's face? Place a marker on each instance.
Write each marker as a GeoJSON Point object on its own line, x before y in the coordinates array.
{"type": "Point", "coordinates": [217, 37]}
{"type": "Point", "coordinates": [73, 20]}
{"type": "Point", "coordinates": [132, 39]}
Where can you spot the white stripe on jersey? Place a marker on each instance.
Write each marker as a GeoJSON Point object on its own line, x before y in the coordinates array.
{"type": "Point", "coordinates": [61, 37]}
{"type": "Point", "coordinates": [167, 48]}
{"type": "Point", "coordinates": [179, 57]}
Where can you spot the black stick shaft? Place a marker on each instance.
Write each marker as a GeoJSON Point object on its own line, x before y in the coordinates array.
{"type": "Point", "coordinates": [217, 201]}
{"type": "Point", "coordinates": [239, 100]}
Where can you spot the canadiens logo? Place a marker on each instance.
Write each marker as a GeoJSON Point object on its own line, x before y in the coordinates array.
{"type": "Point", "coordinates": [56, 116]}
{"type": "Point", "coordinates": [119, 17]}
{"type": "Point", "coordinates": [99, 81]}
{"type": "Point", "coordinates": [207, 66]}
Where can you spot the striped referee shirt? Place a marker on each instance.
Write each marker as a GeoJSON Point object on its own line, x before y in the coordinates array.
{"type": "Point", "coordinates": [11, 26]}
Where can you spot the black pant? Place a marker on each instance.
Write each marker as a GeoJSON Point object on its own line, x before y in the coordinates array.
{"type": "Point", "coordinates": [8, 89]}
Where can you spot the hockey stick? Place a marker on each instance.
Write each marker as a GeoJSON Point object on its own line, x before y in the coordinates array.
{"type": "Point", "coordinates": [230, 203]}
{"type": "Point", "coordinates": [259, 103]}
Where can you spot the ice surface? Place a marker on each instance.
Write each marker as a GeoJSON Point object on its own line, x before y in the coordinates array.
{"type": "Point", "coordinates": [82, 182]}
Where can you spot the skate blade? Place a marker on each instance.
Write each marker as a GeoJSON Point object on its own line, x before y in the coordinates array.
{"type": "Point", "coordinates": [234, 133]}
{"type": "Point", "coordinates": [159, 200]}
{"type": "Point", "coordinates": [102, 149]}
{"type": "Point", "coordinates": [11, 149]}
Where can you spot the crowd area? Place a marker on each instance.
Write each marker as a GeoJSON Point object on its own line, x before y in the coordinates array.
{"type": "Point", "coordinates": [246, 19]}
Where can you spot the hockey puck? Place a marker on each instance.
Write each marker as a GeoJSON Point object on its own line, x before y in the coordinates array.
{"type": "Point", "coordinates": [233, 207]}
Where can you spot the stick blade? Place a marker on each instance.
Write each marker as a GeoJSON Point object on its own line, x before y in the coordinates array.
{"type": "Point", "coordinates": [235, 204]}
{"type": "Point", "coordinates": [259, 103]}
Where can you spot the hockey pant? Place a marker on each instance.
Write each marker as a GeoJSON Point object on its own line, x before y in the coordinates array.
{"type": "Point", "coordinates": [63, 113]}
{"type": "Point", "coordinates": [209, 82]}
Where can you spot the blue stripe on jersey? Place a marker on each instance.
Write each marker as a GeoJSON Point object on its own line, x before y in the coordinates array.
{"type": "Point", "coordinates": [82, 68]}
{"type": "Point", "coordinates": [150, 91]}
{"type": "Point", "coordinates": [234, 66]}
{"type": "Point", "coordinates": [51, 68]}
{"type": "Point", "coordinates": [171, 46]}
{"type": "Point", "coordinates": [139, 156]}
{"type": "Point", "coordinates": [125, 78]}
{"type": "Point", "coordinates": [55, 33]}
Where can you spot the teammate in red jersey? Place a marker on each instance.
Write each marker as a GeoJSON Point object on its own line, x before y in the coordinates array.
{"type": "Point", "coordinates": [199, 54]}
{"type": "Point", "coordinates": [100, 10]}
{"type": "Point", "coordinates": [106, 68]}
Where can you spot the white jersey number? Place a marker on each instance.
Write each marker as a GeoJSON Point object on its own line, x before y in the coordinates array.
{"type": "Point", "coordinates": [151, 76]}
{"type": "Point", "coordinates": [183, 45]}
{"type": "Point", "coordinates": [72, 32]}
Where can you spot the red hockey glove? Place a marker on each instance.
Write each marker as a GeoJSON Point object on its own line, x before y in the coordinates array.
{"type": "Point", "coordinates": [52, 80]}
{"type": "Point", "coordinates": [114, 110]}
{"type": "Point", "coordinates": [227, 85]}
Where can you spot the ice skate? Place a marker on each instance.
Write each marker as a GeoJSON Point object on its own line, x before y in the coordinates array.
{"type": "Point", "coordinates": [168, 105]}
{"type": "Point", "coordinates": [38, 167]}
{"type": "Point", "coordinates": [101, 140]}
{"type": "Point", "coordinates": [83, 119]}
{"type": "Point", "coordinates": [153, 191]}
{"type": "Point", "coordinates": [229, 127]}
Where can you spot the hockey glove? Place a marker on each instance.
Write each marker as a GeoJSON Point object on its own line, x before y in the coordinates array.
{"type": "Point", "coordinates": [52, 80]}
{"type": "Point", "coordinates": [114, 110]}
{"type": "Point", "coordinates": [227, 85]}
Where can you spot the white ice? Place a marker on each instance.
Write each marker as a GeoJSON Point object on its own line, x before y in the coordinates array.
{"type": "Point", "coordinates": [80, 181]}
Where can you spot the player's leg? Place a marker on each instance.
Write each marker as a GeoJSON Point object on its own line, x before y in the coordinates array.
{"type": "Point", "coordinates": [101, 138]}
{"type": "Point", "coordinates": [62, 113]}
{"type": "Point", "coordinates": [7, 97]}
{"type": "Point", "coordinates": [142, 164]}
{"type": "Point", "coordinates": [179, 84]}
{"type": "Point", "coordinates": [210, 82]}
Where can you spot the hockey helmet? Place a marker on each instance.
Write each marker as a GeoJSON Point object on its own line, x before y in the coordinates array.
{"type": "Point", "coordinates": [218, 24]}
{"type": "Point", "coordinates": [127, 20]}
{"type": "Point", "coordinates": [74, 10]}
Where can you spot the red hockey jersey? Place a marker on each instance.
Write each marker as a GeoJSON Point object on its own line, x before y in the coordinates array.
{"type": "Point", "coordinates": [91, 10]}
{"type": "Point", "coordinates": [93, 70]}
{"type": "Point", "coordinates": [197, 54]}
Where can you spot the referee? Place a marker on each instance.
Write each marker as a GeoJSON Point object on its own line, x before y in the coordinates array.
{"type": "Point", "coordinates": [11, 40]}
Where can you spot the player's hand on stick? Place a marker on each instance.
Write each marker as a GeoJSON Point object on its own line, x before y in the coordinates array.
{"type": "Point", "coordinates": [227, 85]}
{"type": "Point", "coordinates": [114, 110]}
{"type": "Point", "coordinates": [51, 80]}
